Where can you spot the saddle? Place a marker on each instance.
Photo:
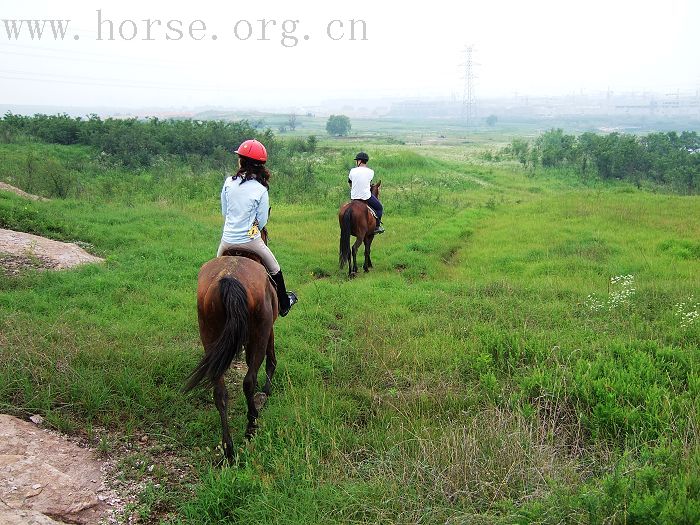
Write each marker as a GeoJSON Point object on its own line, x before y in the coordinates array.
{"type": "Point", "coordinates": [242, 252]}
{"type": "Point", "coordinates": [369, 208]}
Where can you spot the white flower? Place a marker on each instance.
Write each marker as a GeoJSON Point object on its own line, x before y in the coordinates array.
{"type": "Point", "coordinates": [688, 311]}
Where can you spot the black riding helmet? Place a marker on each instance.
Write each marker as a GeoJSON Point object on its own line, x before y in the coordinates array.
{"type": "Point", "coordinates": [362, 156]}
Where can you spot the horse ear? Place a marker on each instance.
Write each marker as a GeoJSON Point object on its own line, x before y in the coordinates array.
{"type": "Point", "coordinates": [379, 183]}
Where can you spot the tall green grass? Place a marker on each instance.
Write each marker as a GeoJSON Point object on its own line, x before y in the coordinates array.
{"type": "Point", "coordinates": [485, 371]}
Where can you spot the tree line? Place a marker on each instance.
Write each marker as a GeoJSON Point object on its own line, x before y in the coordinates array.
{"type": "Point", "coordinates": [117, 149]}
{"type": "Point", "coordinates": [137, 143]}
{"type": "Point", "coordinates": [664, 159]}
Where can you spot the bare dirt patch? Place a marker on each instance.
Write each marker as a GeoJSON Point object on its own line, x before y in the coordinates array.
{"type": "Point", "coordinates": [44, 477]}
{"type": "Point", "coordinates": [16, 264]}
{"type": "Point", "coordinates": [20, 251]}
{"type": "Point", "coordinates": [12, 189]}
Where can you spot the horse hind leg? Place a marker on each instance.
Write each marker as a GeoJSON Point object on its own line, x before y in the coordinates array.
{"type": "Point", "coordinates": [221, 402]}
{"type": "Point", "coordinates": [368, 259]}
{"type": "Point", "coordinates": [355, 247]}
{"type": "Point", "coordinates": [270, 364]}
{"type": "Point", "coordinates": [255, 354]}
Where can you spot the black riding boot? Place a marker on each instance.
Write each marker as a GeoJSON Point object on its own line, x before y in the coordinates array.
{"type": "Point", "coordinates": [285, 299]}
{"type": "Point", "coordinates": [378, 229]}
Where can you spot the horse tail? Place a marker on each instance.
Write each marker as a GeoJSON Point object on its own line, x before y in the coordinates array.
{"type": "Point", "coordinates": [345, 230]}
{"type": "Point", "coordinates": [218, 357]}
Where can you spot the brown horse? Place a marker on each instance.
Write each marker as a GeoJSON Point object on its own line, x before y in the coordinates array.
{"type": "Point", "coordinates": [356, 219]}
{"type": "Point", "coordinates": [237, 307]}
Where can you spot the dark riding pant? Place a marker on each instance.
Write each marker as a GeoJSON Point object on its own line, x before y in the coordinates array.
{"type": "Point", "coordinates": [374, 203]}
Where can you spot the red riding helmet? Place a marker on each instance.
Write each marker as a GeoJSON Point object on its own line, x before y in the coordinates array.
{"type": "Point", "coordinates": [253, 150]}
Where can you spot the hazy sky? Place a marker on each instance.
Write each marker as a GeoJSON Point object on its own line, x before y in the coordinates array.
{"type": "Point", "coordinates": [529, 47]}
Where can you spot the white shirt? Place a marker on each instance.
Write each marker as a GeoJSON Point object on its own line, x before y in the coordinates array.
{"type": "Point", "coordinates": [361, 178]}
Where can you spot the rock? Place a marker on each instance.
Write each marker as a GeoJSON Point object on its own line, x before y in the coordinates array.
{"type": "Point", "coordinates": [42, 474]}
{"type": "Point", "coordinates": [61, 254]}
{"type": "Point", "coordinates": [36, 419]}
{"type": "Point", "coordinates": [7, 187]}
{"type": "Point", "coordinates": [10, 516]}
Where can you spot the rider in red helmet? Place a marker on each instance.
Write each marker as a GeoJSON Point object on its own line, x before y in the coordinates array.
{"type": "Point", "coordinates": [245, 204]}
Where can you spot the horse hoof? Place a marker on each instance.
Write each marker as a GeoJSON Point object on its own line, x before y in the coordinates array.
{"type": "Point", "coordinates": [226, 455]}
{"type": "Point", "coordinates": [250, 431]}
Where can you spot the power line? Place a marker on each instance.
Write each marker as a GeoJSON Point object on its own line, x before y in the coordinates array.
{"type": "Point", "coordinates": [105, 60]}
{"type": "Point", "coordinates": [55, 50]}
{"type": "Point", "coordinates": [102, 56]}
{"type": "Point", "coordinates": [108, 81]}
{"type": "Point", "coordinates": [66, 80]}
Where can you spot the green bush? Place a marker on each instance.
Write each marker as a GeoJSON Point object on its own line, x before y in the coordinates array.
{"type": "Point", "coordinates": [138, 143]}
{"type": "Point", "coordinates": [667, 159]}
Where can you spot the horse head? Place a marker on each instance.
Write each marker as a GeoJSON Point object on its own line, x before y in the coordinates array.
{"type": "Point", "coordinates": [374, 188]}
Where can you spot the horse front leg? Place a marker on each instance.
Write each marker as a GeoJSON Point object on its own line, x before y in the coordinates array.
{"type": "Point", "coordinates": [221, 402]}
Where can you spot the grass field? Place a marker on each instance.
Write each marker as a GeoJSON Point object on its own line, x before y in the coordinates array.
{"type": "Point", "coordinates": [524, 351]}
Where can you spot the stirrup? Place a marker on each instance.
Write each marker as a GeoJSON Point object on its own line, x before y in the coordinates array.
{"type": "Point", "coordinates": [379, 230]}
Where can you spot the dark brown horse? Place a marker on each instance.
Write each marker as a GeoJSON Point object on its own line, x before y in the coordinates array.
{"type": "Point", "coordinates": [237, 307]}
{"type": "Point", "coordinates": [355, 219]}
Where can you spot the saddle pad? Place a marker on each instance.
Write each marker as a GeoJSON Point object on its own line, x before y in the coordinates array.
{"type": "Point", "coordinates": [239, 252]}
{"type": "Point", "coordinates": [368, 207]}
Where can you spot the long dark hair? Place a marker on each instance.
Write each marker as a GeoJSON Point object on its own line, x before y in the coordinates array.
{"type": "Point", "coordinates": [252, 170]}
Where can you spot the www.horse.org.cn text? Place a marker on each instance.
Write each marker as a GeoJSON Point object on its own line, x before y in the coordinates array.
{"type": "Point", "coordinates": [287, 33]}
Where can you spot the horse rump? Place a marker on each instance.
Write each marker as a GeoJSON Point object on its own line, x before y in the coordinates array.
{"type": "Point", "coordinates": [229, 344]}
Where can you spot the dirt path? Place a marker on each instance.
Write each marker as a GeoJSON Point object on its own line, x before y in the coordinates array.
{"type": "Point", "coordinates": [20, 251]}
{"type": "Point", "coordinates": [47, 479]}
{"type": "Point", "coordinates": [23, 250]}
{"type": "Point", "coordinates": [7, 187]}
{"type": "Point", "coordinates": [44, 478]}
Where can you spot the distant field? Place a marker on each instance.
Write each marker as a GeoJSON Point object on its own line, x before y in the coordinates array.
{"type": "Point", "coordinates": [524, 351]}
{"type": "Point", "coordinates": [452, 131]}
